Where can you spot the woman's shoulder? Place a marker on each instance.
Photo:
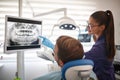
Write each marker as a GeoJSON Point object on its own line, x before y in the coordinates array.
{"type": "Point", "coordinates": [98, 50]}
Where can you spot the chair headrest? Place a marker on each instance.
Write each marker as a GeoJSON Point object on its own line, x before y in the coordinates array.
{"type": "Point", "coordinates": [81, 63]}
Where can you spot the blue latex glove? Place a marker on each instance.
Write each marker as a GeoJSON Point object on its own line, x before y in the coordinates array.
{"type": "Point", "coordinates": [47, 42]}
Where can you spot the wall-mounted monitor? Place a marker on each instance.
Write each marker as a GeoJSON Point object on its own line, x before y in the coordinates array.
{"type": "Point", "coordinates": [84, 37]}
{"type": "Point", "coordinates": [21, 34]}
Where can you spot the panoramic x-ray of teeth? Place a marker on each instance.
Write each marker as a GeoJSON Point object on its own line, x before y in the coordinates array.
{"type": "Point", "coordinates": [23, 34]}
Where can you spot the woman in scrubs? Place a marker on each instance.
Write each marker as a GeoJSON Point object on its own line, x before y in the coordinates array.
{"type": "Point", "coordinates": [101, 25]}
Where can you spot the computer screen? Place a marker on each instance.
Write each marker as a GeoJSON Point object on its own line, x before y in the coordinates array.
{"type": "Point", "coordinates": [84, 37]}
{"type": "Point", "coordinates": [21, 34]}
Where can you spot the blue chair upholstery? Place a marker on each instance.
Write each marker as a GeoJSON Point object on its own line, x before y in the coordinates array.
{"type": "Point", "coordinates": [77, 70]}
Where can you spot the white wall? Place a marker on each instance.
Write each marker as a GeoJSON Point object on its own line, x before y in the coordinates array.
{"type": "Point", "coordinates": [114, 6]}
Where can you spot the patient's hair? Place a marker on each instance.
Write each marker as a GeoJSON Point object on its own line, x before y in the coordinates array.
{"type": "Point", "coordinates": [69, 49]}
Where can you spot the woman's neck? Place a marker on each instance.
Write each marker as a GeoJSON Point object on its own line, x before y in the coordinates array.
{"type": "Point", "coordinates": [95, 37]}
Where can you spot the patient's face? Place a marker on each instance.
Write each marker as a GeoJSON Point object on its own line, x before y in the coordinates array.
{"type": "Point", "coordinates": [56, 57]}
{"type": "Point", "coordinates": [55, 53]}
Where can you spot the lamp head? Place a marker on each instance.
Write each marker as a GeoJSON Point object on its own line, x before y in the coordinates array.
{"type": "Point", "coordinates": [66, 23]}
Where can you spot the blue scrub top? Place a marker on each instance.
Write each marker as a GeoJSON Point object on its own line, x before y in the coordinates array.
{"type": "Point", "coordinates": [103, 68]}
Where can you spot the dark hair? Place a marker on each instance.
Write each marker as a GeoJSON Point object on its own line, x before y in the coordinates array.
{"type": "Point", "coordinates": [69, 49]}
{"type": "Point", "coordinates": [106, 18]}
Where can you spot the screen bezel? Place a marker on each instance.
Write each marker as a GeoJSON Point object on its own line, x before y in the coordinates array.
{"type": "Point", "coordinates": [20, 48]}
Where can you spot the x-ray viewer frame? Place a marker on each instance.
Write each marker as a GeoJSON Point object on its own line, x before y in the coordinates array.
{"type": "Point", "coordinates": [21, 34]}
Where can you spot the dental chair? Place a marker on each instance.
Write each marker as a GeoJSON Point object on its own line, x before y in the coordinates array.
{"type": "Point", "coordinates": [77, 70]}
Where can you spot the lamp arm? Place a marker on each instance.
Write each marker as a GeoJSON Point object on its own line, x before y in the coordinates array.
{"type": "Point", "coordinates": [28, 3]}
{"type": "Point", "coordinates": [53, 11]}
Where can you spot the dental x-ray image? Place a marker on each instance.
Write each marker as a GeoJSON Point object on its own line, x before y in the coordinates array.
{"type": "Point", "coordinates": [22, 34]}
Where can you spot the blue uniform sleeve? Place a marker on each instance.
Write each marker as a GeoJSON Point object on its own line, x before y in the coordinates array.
{"type": "Point", "coordinates": [47, 42]}
{"type": "Point", "coordinates": [97, 52]}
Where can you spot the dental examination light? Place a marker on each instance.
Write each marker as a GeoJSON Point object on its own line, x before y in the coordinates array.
{"type": "Point", "coordinates": [63, 23]}
{"type": "Point", "coordinates": [66, 23]}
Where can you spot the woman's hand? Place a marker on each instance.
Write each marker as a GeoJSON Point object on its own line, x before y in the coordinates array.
{"type": "Point", "coordinates": [47, 42]}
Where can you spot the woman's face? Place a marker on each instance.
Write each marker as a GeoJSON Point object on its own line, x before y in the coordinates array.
{"type": "Point", "coordinates": [93, 27]}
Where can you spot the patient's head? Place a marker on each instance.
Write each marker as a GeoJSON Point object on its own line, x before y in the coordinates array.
{"type": "Point", "coordinates": [67, 49]}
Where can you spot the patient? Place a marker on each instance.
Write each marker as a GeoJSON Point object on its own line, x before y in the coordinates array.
{"type": "Point", "coordinates": [66, 49]}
